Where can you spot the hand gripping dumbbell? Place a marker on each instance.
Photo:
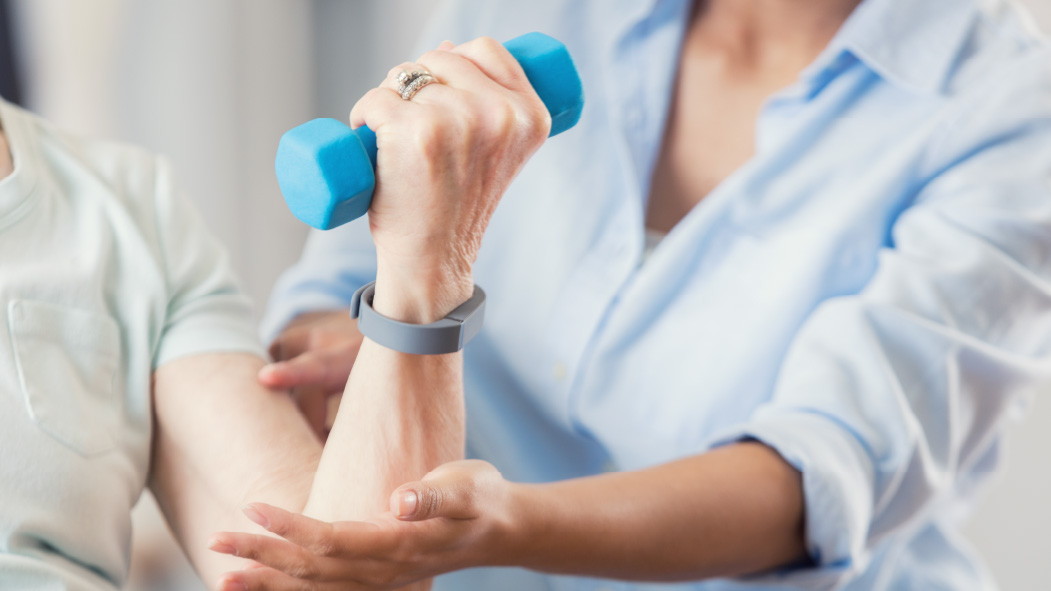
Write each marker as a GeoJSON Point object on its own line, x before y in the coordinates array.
{"type": "Point", "coordinates": [326, 170]}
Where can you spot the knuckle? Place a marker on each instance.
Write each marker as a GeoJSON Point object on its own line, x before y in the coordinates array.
{"type": "Point", "coordinates": [431, 501]}
{"type": "Point", "coordinates": [393, 73]}
{"type": "Point", "coordinates": [469, 493]}
{"type": "Point", "coordinates": [425, 137]}
{"type": "Point", "coordinates": [279, 526]}
{"type": "Point", "coordinates": [489, 45]}
{"type": "Point", "coordinates": [432, 56]}
{"type": "Point", "coordinates": [477, 466]}
{"type": "Point", "coordinates": [302, 569]}
{"type": "Point", "coordinates": [535, 123]}
{"type": "Point", "coordinates": [249, 551]}
{"type": "Point", "coordinates": [326, 548]}
{"type": "Point", "coordinates": [504, 117]}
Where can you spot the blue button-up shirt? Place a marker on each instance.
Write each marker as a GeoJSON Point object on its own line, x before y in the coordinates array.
{"type": "Point", "coordinates": [870, 294]}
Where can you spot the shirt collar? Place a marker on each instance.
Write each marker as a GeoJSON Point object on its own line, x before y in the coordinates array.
{"type": "Point", "coordinates": [17, 188]}
{"type": "Point", "coordinates": [912, 43]}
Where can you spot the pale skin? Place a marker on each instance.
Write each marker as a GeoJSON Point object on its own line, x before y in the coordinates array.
{"type": "Point", "coordinates": [736, 510]}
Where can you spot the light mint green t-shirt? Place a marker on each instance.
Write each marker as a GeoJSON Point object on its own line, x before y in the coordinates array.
{"type": "Point", "coordinates": [105, 275]}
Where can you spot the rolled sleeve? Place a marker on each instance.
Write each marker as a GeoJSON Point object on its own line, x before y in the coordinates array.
{"type": "Point", "coordinates": [889, 399]}
{"type": "Point", "coordinates": [207, 312]}
{"type": "Point", "coordinates": [837, 481]}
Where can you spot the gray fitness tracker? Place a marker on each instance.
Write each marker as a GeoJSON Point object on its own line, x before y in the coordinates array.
{"type": "Point", "coordinates": [447, 335]}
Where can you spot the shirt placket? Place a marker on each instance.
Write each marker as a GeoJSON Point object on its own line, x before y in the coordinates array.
{"type": "Point", "coordinates": [594, 289]}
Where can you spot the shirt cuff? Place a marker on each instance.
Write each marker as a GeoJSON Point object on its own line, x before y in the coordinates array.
{"type": "Point", "coordinates": [222, 324]}
{"type": "Point", "coordinates": [838, 484]}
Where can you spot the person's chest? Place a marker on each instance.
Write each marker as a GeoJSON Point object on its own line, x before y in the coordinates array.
{"type": "Point", "coordinates": [710, 131]}
{"type": "Point", "coordinates": [653, 360]}
{"type": "Point", "coordinates": [79, 304]}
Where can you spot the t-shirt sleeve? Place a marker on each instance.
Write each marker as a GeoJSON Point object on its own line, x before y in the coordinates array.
{"type": "Point", "coordinates": [207, 312]}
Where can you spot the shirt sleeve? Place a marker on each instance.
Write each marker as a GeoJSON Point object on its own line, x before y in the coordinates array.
{"type": "Point", "coordinates": [207, 311]}
{"type": "Point", "coordinates": [892, 399]}
{"type": "Point", "coordinates": [335, 263]}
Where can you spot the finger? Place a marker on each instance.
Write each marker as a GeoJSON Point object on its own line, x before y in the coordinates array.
{"type": "Point", "coordinates": [446, 45]}
{"type": "Point", "coordinates": [316, 536]}
{"type": "Point", "coordinates": [278, 554]}
{"type": "Point", "coordinates": [495, 61]}
{"type": "Point", "coordinates": [442, 88]}
{"type": "Point", "coordinates": [344, 538]}
{"type": "Point", "coordinates": [450, 491]}
{"type": "Point", "coordinates": [327, 369]}
{"type": "Point", "coordinates": [268, 579]}
{"type": "Point", "coordinates": [377, 107]}
{"type": "Point", "coordinates": [455, 71]}
{"type": "Point", "coordinates": [290, 343]}
{"type": "Point", "coordinates": [302, 332]}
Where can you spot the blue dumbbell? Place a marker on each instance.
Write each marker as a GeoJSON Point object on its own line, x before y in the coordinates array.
{"type": "Point", "coordinates": [325, 169]}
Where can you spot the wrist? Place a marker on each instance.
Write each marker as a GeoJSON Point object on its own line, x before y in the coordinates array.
{"type": "Point", "coordinates": [418, 294]}
{"type": "Point", "coordinates": [515, 529]}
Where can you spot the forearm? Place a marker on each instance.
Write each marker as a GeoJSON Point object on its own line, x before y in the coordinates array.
{"type": "Point", "coordinates": [401, 416]}
{"type": "Point", "coordinates": [733, 511]}
{"type": "Point", "coordinates": [220, 441]}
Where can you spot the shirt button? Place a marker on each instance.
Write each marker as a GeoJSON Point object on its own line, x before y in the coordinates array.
{"type": "Point", "coordinates": [559, 371]}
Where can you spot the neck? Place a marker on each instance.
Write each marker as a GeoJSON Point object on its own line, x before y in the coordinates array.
{"type": "Point", "coordinates": [758, 31]}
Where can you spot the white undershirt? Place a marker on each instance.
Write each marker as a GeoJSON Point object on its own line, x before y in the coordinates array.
{"type": "Point", "coordinates": [652, 239]}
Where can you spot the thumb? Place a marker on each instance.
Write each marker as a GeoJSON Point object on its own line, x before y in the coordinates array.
{"type": "Point", "coordinates": [453, 494]}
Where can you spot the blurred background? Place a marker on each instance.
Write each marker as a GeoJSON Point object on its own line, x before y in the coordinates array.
{"type": "Point", "coordinates": [213, 85]}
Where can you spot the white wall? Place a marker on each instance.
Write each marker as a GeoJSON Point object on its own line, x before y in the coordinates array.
{"type": "Point", "coordinates": [1012, 526]}
{"type": "Point", "coordinates": [214, 84]}
{"type": "Point", "coordinates": [210, 84]}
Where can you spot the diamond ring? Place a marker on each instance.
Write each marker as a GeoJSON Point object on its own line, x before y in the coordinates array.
{"type": "Point", "coordinates": [411, 81]}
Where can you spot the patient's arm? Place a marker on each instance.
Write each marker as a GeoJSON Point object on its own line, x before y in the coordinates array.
{"type": "Point", "coordinates": [441, 171]}
{"type": "Point", "coordinates": [220, 440]}
{"type": "Point", "coordinates": [403, 413]}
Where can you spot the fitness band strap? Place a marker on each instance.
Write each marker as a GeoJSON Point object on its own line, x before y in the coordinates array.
{"type": "Point", "coordinates": [447, 335]}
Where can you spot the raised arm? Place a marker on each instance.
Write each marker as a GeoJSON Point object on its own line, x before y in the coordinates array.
{"type": "Point", "coordinates": [445, 160]}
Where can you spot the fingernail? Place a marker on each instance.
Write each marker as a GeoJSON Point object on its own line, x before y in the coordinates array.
{"type": "Point", "coordinates": [266, 373]}
{"type": "Point", "coordinates": [256, 516]}
{"type": "Point", "coordinates": [229, 585]}
{"type": "Point", "coordinates": [221, 547]}
{"type": "Point", "coordinates": [407, 501]}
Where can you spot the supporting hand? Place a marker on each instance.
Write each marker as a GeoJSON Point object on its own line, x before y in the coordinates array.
{"type": "Point", "coordinates": [457, 516]}
{"type": "Point", "coordinates": [313, 357]}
